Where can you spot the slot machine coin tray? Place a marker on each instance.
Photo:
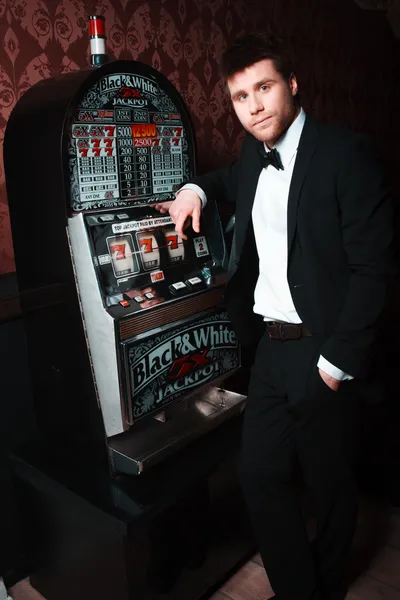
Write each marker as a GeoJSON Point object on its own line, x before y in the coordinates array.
{"type": "Point", "coordinates": [149, 442]}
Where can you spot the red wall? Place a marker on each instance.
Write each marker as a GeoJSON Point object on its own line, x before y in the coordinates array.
{"type": "Point", "coordinates": [348, 64]}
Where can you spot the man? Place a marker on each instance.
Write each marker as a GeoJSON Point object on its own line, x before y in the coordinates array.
{"type": "Point", "coordinates": [311, 260]}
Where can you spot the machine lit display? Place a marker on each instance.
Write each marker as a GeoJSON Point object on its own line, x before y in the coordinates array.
{"type": "Point", "coordinates": [147, 251]}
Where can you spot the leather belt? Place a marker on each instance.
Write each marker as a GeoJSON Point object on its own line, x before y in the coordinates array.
{"type": "Point", "coordinates": [286, 331]}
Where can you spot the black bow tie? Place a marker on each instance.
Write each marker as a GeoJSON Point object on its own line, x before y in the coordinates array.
{"type": "Point", "coordinates": [271, 158]}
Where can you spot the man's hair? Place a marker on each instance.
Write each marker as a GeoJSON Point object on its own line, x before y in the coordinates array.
{"type": "Point", "coordinates": [250, 48]}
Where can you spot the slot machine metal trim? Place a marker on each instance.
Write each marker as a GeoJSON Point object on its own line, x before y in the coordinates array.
{"type": "Point", "coordinates": [163, 315]}
{"type": "Point", "coordinates": [150, 442]}
{"type": "Point", "coordinates": [100, 330]}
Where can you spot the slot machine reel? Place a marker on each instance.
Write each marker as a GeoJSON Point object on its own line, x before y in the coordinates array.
{"type": "Point", "coordinates": [149, 250]}
{"type": "Point", "coordinates": [122, 255]}
{"type": "Point", "coordinates": [175, 245]}
{"type": "Point", "coordinates": [151, 263]}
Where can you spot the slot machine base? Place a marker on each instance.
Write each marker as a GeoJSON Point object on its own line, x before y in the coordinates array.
{"type": "Point", "coordinates": [176, 532]}
{"type": "Point", "coordinates": [148, 443]}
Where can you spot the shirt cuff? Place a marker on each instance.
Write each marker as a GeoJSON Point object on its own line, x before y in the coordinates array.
{"type": "Point", "coordinates": [333, 371]}
{"type": "Point", "coordinates": [197, 189]}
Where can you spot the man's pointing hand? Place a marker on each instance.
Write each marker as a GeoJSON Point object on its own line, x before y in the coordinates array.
{"type": "Point", "coordinates": [186, 206]}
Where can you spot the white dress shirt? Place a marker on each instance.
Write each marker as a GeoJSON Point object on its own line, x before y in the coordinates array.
{"type": "Point", "coordinates": [272, 297]}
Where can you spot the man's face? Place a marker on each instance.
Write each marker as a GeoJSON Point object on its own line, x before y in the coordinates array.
{"type": "Point", "coordinates": [264, 100]}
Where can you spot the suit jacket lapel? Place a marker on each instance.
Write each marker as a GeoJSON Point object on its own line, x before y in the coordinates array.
{"type": "Point", "coordinates": [307, 145]}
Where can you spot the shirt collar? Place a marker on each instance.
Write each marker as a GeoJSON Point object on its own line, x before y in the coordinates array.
{"type": "Point", "coordinates": [287, 145]}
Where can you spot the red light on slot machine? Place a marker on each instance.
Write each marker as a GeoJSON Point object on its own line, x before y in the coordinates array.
{"type": "Point", "coordinates": [97, 34]}
{"type": "Point", "coordinates": [143, 130]}
{"type": "Point", "coordinates": [175, 245]}
{"type": "Point", "coordinates": [157, 276]}
{"type": "Point", "coordinates": [97, 25]}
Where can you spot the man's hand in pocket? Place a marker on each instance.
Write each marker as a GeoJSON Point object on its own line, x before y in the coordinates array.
{"type": "Point", "coordinates": [331, 382]}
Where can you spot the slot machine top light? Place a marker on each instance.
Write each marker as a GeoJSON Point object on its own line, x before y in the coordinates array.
{"type": "Point", "coordinates": [97, 34]}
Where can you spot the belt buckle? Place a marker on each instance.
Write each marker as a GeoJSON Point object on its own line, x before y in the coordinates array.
{"type": "Point", "coordinates": [273, 334]}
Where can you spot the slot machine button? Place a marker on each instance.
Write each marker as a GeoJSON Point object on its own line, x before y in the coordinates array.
{"type": "Point", "coordinates": [194, 283]}
{"type": "Point", "coordinates": [157, 276]}
{"type": "Point", "coordinates": [139, 299]}
{"type": "Point", "coordinates": [124, 303]}
{"type": "Point", "coordinates": [106, 218]}
{"type": "Point", "coordinates": [178, 288]}
{"type": "Point", "coordinates": [122, 216]}
{"type": "Point", "coordinates": [206, 272]}
{"type": "Point", "coordinates": [149, 296]}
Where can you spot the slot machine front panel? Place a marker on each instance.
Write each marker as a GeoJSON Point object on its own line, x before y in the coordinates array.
{"type": "Point", "coordinates": [163, 367]}
{"type": "Point", "coordinates": [131, 145]}
{"type": "Point", "coordinates": [137, 254]}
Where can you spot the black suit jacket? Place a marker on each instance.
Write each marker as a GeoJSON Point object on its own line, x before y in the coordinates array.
{"type": "Point", "coordinates": [339, 222]}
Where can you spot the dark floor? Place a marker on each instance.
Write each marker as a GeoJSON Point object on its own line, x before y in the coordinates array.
{"type": "Point", "coordinates": [375, 568]}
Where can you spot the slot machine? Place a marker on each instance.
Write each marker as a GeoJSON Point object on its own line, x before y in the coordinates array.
{"type": "Point", "coordinates": [128, 341]}
{"type": "Point", "coordinates": [135, 326]}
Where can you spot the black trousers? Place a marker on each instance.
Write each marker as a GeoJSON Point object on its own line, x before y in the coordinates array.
{"type": "Point", "coordinates": [293, 419]}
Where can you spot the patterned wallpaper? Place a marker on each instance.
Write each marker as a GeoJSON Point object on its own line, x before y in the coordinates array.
{"type": "Point", "coordinates": [348, 64]}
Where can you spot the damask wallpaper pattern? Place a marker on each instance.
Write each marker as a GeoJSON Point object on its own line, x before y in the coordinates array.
{"type": "Point", "coordinates": [347, 62]}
